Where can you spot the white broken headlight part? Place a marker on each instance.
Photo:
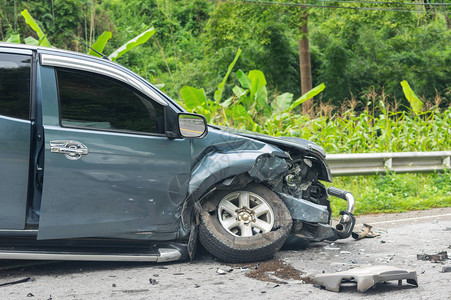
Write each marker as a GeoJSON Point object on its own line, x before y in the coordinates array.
{"type": "Point", "coordinates": [365, 277]}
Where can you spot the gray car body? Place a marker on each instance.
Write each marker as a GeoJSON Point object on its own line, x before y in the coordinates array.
{"type": "Point", "coordinates": [129, 185]}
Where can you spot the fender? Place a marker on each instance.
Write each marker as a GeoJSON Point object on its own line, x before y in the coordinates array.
{"type": "Point", "coordinates": [293, 145]}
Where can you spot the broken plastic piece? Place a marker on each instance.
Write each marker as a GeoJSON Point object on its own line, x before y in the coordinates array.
{"type": "Point", "coordinates": [366, 277]}
{"type": "Point", "coordinates": [365, 232]}
{"type": "Point", "coordinates": [441, 256]}
{"type": "Point", "coordinates": [16, 281]}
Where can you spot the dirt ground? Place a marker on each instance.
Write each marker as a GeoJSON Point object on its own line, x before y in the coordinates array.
{"type": "Point", "coordinates": [400, 238]}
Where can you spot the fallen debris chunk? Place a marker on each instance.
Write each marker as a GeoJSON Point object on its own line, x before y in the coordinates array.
{"type": "Point", "coordinates": [331, 248]}
{"type": "Point", "coordinates": [15, 282]}
{"type": "Point", "coordinates": [366, 277]}
{"type": "Point", "coordinates": [441, 256]}
{"type": "Point", "coordinates": [223, 272]}
{"type": "Point", "coordinates": [30, 295]}
{"type": "Point", "coordinates": [365, 232]}
{"type": "Point", "coordinates": [153, 281]}
{"type": "Point", "coordinates": [446, 269]}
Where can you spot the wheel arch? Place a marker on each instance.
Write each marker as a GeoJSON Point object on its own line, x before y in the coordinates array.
{"type": "Point", "coordinates": [221, 170]}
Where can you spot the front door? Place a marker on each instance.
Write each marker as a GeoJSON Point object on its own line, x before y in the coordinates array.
{"type": "Point", "coordinates": [15, 138]}
{"type": "Point", "coordinates": [109, 167]}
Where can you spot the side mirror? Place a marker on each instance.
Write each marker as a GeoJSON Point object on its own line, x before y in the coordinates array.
{"type": "Point", "coordinates": [192, 125]}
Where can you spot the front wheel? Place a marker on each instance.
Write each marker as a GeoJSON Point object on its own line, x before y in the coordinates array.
{"type": "Point", "coordinates": [243, 225]}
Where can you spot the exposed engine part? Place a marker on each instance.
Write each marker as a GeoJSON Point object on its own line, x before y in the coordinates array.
{"type": "Point", "coordinates": [299, 177]}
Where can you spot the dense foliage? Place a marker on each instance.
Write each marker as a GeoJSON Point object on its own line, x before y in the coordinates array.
{"type": "Point", "coordinates": [353, 51]}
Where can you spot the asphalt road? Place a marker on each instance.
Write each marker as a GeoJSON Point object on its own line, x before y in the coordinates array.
{"type": "Point", "coordinates": [402, 237]}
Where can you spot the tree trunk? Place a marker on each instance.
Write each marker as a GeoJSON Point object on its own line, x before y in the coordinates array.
{"type": "Point", "coordinates": [304, 64]}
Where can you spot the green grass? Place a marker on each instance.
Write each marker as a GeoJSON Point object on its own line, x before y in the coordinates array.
{"type": "Point", "coordinates": [395, 192]}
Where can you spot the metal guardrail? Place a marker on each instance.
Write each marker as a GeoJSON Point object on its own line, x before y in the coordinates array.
{"type": "Point", "coordinates": [377, 163]}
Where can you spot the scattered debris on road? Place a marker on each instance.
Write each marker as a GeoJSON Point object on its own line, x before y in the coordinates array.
{"type": "Point", "coordinates": [446, 269]}
{"type": "Point", "coordinates": [365, 232]}
{"type": "Point", "coordinates": [153, 281]}
{"type": "Point", "coordinates": [223, 272]}
{"type": "Point", "coordinates": [365, 277]}
{"type": "Point", "coordinates": [441, 256]}
{"type": "Point", "coordinates": [16, 281]}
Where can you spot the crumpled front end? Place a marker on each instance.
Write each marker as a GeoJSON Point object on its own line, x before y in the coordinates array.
{"type": "Point", "coordinates": [305, 197]}
{"type": "Point", "coordinates": [291, 168]}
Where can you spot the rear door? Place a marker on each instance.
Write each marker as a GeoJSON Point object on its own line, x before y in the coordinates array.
{"type": "Point", "coordinates": [109, 167]}
{"type": "Point", "coordinates": [15, 131]}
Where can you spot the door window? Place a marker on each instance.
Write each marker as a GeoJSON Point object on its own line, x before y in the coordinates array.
{"type": "Point", "coordinates": [90, 100]}
{"type": "Point", "coordinates": [15, 85]}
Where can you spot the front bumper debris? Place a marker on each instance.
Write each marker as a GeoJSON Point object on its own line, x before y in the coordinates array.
{"type": "Point", "coordinates": [311, 221]}
{"type": "Point", "coordinates": [304, 210]}
{"type": "Point", "coordinates": [365, 277]}
{"type": "Point", "coordinates": [346, 224]}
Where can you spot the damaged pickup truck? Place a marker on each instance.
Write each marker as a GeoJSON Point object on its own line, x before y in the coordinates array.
{"type": "Point", "coordinates": [97, 164]}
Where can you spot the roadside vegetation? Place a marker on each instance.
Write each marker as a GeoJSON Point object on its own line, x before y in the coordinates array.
{"type": "Point", "coordinates": [395, 192]}
{"type": "Point", "coordinates": [238, 65]}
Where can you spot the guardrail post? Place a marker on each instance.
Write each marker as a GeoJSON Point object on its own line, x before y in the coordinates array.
{"type": "Point", "coordinates": [388, 164]}
{"type": "Point", "coordinates": [447, 162]}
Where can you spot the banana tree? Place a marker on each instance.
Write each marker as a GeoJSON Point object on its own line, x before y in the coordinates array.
{"type": "Point", "coordinates": [98, 46]}
{"type": "Point", "coordinates": [103, 39]}
{"type": "Point", "coordinates": [42, 41]}
{"type": "Point", "coordinates": [415, 103]}
{"type": "Point", "coordinates": [195, 100]}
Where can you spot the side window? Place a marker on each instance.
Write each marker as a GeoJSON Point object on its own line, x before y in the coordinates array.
{"type": "Point", "coordinates": [15, 85]}
{"type": "Point", "coordinates": [95, 101]}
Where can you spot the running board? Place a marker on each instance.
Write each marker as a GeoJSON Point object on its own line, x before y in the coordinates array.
{"type": "Point", "coordinates": [164, 255]}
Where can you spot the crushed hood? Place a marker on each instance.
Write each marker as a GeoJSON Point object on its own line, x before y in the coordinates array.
{"type": "Point", "coordinates": [282, 142]}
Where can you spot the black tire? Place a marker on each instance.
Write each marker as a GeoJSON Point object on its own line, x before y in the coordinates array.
{"type": "Point", "coordinates": [229, 247]}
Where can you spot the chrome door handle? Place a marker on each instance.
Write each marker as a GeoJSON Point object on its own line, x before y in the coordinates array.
{"type": "Point", "coordinates": [73, 150]}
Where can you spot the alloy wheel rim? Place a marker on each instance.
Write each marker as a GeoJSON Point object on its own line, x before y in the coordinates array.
{"type": "Point", "coordinates": [245, 214]}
